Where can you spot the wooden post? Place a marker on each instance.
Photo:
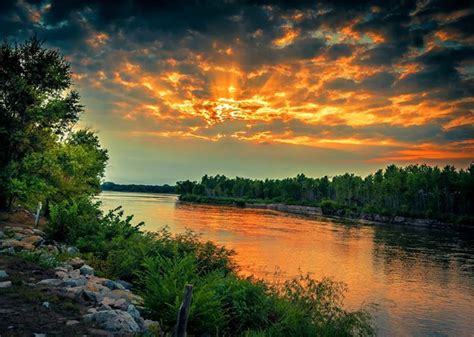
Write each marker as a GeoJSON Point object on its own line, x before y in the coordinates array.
{"type": "Point", "coordinates": [40, 205]}
{"type": "Point", "coordinates": [183, 312]}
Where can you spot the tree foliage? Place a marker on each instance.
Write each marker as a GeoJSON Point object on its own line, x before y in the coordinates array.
{"type": "Point", "coordinates": [41, 157]}
{"type": "Point", "coordinates": [414, 190]}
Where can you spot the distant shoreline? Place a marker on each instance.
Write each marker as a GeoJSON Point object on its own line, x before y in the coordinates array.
{"type": "Point", "coordinates": [317, 212]}
{"type": "Point", "coordinates": [166, 189]}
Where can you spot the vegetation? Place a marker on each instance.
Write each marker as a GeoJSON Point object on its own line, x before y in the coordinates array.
{"type": "Point", "coordinates": [43, 159]}
{"type": "Point", "coordinates": [223, 302]}
{"type": "Point", "coordinates": [416, 190]}
{"type": "Point", "coordinates": [109, 186]}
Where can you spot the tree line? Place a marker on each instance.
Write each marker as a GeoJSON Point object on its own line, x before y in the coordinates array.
{"type": "Point", "coordinates": [415, 190]}
{"type": "Point", "coordinates": [110, 186]}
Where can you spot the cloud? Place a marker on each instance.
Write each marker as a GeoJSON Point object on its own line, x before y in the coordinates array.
{"type": "Point", "coordinates": [387, 76]}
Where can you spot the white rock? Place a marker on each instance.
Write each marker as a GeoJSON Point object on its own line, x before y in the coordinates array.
{"type": "Point", "coordinates": [115, 321]}
{"type": "Point", "coordinates": [87, 270]}
{"type": "Point", "coordinates": [6, 284]}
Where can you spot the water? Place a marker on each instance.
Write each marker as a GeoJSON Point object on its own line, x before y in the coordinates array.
{"type": "Point", "coordinates": [421, 279]}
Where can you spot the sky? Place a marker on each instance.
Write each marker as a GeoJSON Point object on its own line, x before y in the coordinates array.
{"type": "Point", "coordinates": [179, 89]}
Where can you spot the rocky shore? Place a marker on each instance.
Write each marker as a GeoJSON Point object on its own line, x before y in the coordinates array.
{"type": "Point", "coordinates": [104, 307]}
{"type": "Point", "coordinates": [342, 215]}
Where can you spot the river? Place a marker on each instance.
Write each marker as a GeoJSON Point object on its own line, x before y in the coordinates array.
{"type": "Point", "coordinates": [422, 280]}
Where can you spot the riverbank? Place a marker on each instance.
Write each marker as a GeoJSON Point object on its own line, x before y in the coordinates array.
{"type": "Point", "coordinates": [319, 212]}
{"type": "Point", "coordinates": [47, 289]}
{"type": "Point", "coordinates": [100, 251]}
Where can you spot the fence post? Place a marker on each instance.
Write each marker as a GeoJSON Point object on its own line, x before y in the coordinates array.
{"type": "Point", "coordinates": [183, 312]}
{"type": "Point", "coordinates": [40, 205]}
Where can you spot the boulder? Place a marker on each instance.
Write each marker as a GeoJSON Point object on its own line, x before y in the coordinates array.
{"type": "Point", "coordinates": [75, 281]}
{"type": "Point", "coordinates": [52, 282]}
{"type": "Point", "coordinates": [39, 232]}
{"type": "Point", "coordinates": [19, 230]}
{"type": "Point", "coordinates": [121, 304]}
{"type": "Point", "coordinates": [35, 240]}
{"type": "Point", "coordinates": [72, 322]}
{"type": "Point", "coordinates": [3, 274]}
{"type": "Point", "coordinates": [5, 284]}
{"type": "Point", "coordinates": [115, 321]}
{"type": "Point", "coordinates": [45, 305]}
{"type": "Point", "coordinates": [132, 310]}
{"type": "Point", "coordinates": [90, 296]}
{"type": "Point", "coordinates": [86, 270]}
{"type": "Point", "coordinates": [103, 307]}
{"type": "Point", "coordinates": [125, 294]}
{"type": "Point", "coordinates": [8, 251]}
{"type": "Point", "coordinates": [76, 262]}
{"type": "Point", "coordinates": [124, 284]}
{"type": "Point", "coordinates": [17, 244]}
{"type": "Point", "coordinates": [52, 249]}
{"type": "Point", "coordinates": [149, 324]}
{"type": "Point", "coordinates": [113, 285]}
{"type": "Point", "coordinates": [72, 250]}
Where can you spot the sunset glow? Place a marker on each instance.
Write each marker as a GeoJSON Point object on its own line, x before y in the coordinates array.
{"type": "Point", "coordinates": [334, 78]}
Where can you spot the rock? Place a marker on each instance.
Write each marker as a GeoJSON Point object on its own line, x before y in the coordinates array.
{"type": "Point", "coordinates": [72, 250]}
{"type": "Point", "coordinates": [17, 244]}
{"type": "Point", "coordinates": [74, 293]}
{"type": "Point", "coordinates": [92, 310]}
{"type": "Point", "coordinates": [39, 334]}
{"type": "Point", "coordinates": [2, 235]}
{"type": "Point", "coordinates": [124, 284]}
{"type": "Point", "coordinates": [149, 324]}
{"type": "Point", "coordinates": [39, 232]}
{"type": "Point", "coordinates": [87, 270]}
{"type": "Point", "coordinates": [103, 307]}
{"type": "Point", "coordinates": [115, 321]}
{"type": "Point", "coordinates": [45, 305]}
{"type": "Point", "coordinates": [72, 322]}
{"type": "Point", "coordinates": [35, 240]}
{"type": "Point", "coordinates": [108, 301]}
{"type": "Point", "coordinates": [74, 273]}
{"type": "Point", "coordinates": [52, 248]}
{"type": "Point", "coordinates": [5, 284]}
{"type": "Point", "coordinates": [52, 282]}
{"type": "Point", "coordinates": [3, 274]}
{"type": "Point", "coordinates": [62, 275]}
{"type": "Point", "coordinates": [132, 310]}
{"type": "Point", "coordinates": [121, 304]}
{"type": "Point", "coordinates": [129, 296]}
{"type": "Point", "coordinates": [76, 262]}
{"type": "Point", "coordinates": [8, 251]}
{"type": "Point", "coordinates": [75, 282]}
{"type": "Point", "coordinates": [90, 296]}
{"type": "Point", "coordinates": [113, 285]}
{"type": "Point", "coordinates": [20, 230]}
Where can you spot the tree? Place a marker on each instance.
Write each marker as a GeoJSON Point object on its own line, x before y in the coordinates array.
{"type": "Point", "coordinates": [40, 157]}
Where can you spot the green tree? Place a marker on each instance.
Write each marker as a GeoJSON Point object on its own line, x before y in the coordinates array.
{"type": "Point", "coordinates": [37, 108]}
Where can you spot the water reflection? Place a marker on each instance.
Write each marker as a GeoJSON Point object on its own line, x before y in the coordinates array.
{"type": "Point", "coordinates": [422, 279]}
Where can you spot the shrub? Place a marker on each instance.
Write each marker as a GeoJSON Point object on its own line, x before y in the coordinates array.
{"type": "Point", "coordinates": [328, 207]}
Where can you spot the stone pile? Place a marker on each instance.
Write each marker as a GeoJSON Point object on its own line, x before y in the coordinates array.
{"type": "Point", "coordinates": [113, 307]}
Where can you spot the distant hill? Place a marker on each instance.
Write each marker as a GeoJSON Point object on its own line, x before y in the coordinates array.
{"type": "Point", "coordinates": [110, 186]}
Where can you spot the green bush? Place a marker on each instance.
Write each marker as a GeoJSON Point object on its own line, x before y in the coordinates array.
{"type": "Point", "coordinates": [329, 207]}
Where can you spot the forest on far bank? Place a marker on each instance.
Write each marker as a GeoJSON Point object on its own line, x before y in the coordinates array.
{"type": "Point", "coordinates": [423, 191]}
{"type": "Point", "coordinates": [110, 186]}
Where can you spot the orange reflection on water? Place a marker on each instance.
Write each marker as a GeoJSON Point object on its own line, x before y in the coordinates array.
{"type": "Point", "coordinates": [422, 280]}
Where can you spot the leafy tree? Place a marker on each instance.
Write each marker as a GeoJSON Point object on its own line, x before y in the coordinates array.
{"type": "Point", "coordinates": [36, 108]}
{"type": "Point", "coordinates": [41, 158]}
